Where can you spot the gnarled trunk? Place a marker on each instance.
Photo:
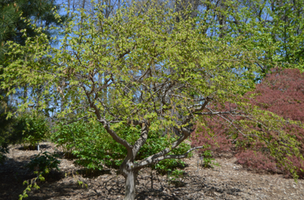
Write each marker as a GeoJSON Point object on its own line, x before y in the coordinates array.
{"type": "Point", "coordinates": [130, 174]}
{"type": "Point", "coordinates": [130, 185]}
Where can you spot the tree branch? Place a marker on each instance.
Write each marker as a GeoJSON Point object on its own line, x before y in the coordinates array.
{"type": "Point", "coordinates": [163, 157]}
{"type": "Point", "coordinates": [118, 139]}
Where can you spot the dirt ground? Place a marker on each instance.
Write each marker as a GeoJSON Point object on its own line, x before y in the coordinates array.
{"type": "Point", "coordinates": [228, 181]}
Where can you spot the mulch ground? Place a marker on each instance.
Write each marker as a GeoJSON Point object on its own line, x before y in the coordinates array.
{"type": "Point", "coordinates": [228, 181]}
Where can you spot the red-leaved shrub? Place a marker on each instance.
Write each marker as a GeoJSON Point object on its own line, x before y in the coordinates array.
{"type": "Point", "coordinates": [217, 142]}
{"type": "Point", "coordinates": [280, 92]}
{"type": "Point", "coordinates": [256, 160]}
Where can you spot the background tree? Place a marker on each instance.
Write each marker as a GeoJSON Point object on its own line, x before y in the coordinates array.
{"type": "Point", "coordinates": [281, 22]}
{"type": "Point", "coordinates": [11, 24]}
{"type": "Point", "coordinates": [274, 26]}
{"type": "Point", "coordinates": [161, 73]}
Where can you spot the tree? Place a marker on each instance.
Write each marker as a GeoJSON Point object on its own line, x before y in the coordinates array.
{"type": "Point", "coordinates": [271, 25]}
{"type": "Point", "coordinates": [11, 26]}
{"type": "Point", "coordinates": [90, 6]}
{"type": "Point", "coordinates": [160, 73]}
{"type": "Point", "coordinates": [11, 22]}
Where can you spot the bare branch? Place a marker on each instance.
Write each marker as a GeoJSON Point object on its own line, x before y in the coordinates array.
{"type": "Point", "coordinates": [215, 113]}
{"type": "Point", "coordinates": [153, 160]}
{"type": "Point", "coordinates": [149, 159]}
{"type": "Point", "coordinates": [118, 139]}
{"type": "Point", "coordinates": [142, 139]}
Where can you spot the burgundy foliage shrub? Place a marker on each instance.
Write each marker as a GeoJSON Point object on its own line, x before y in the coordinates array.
{"type": "Point", "coordinates": [281, 92]}
{"type": "Point", "coordinates": [256, 160]}
{"type": "Point", "coordinates": [214, 132]}
{"type": "Point", "coordinates": [219, 142]}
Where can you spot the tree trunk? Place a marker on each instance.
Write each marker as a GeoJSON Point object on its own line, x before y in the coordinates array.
{"type": "Point", "coordinates": [130, 177]}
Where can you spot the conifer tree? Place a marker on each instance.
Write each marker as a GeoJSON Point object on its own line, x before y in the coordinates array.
{"type": "Point", "coordinates": [11, 22]}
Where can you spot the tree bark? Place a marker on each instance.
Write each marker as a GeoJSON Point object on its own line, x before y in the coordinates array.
{"type": "Point", "coordinates": [130, 176]}
{"type": "Point", "coordinates": [130, 186]}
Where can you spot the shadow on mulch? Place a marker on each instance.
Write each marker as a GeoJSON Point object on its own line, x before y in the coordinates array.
{"type": "Point", "coordinates": [86, 173]}
{"type": "Point", "coordinates": [50, 191]}
{"type": "Point", "coordinates": [156, 194]}
{"type": "Point", "coordinates": [12, 175]}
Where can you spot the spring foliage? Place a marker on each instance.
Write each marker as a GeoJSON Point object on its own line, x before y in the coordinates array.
{"type": "Point", "coordinates": [146, 69]}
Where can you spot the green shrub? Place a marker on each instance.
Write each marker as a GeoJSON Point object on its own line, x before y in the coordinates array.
{"type": "Point", "coordinates": [176, 178]}
{"type": "Point", "coordinates": [27, 128]}
{"type": "Point", "coordinates": [7, 135]}
{"type": "Point", "coordinates": [93, 146]}
{"type": "Point", "coordinates": [208, 159]}
{"type": "Point", "coordinates": [31, 128]}
{"type": "Point", "coordinates": [89, 143]}
{"type": "Point", "coordinates": [3, 151]}
{"type": "Point", "coordinates": [156, 143]}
